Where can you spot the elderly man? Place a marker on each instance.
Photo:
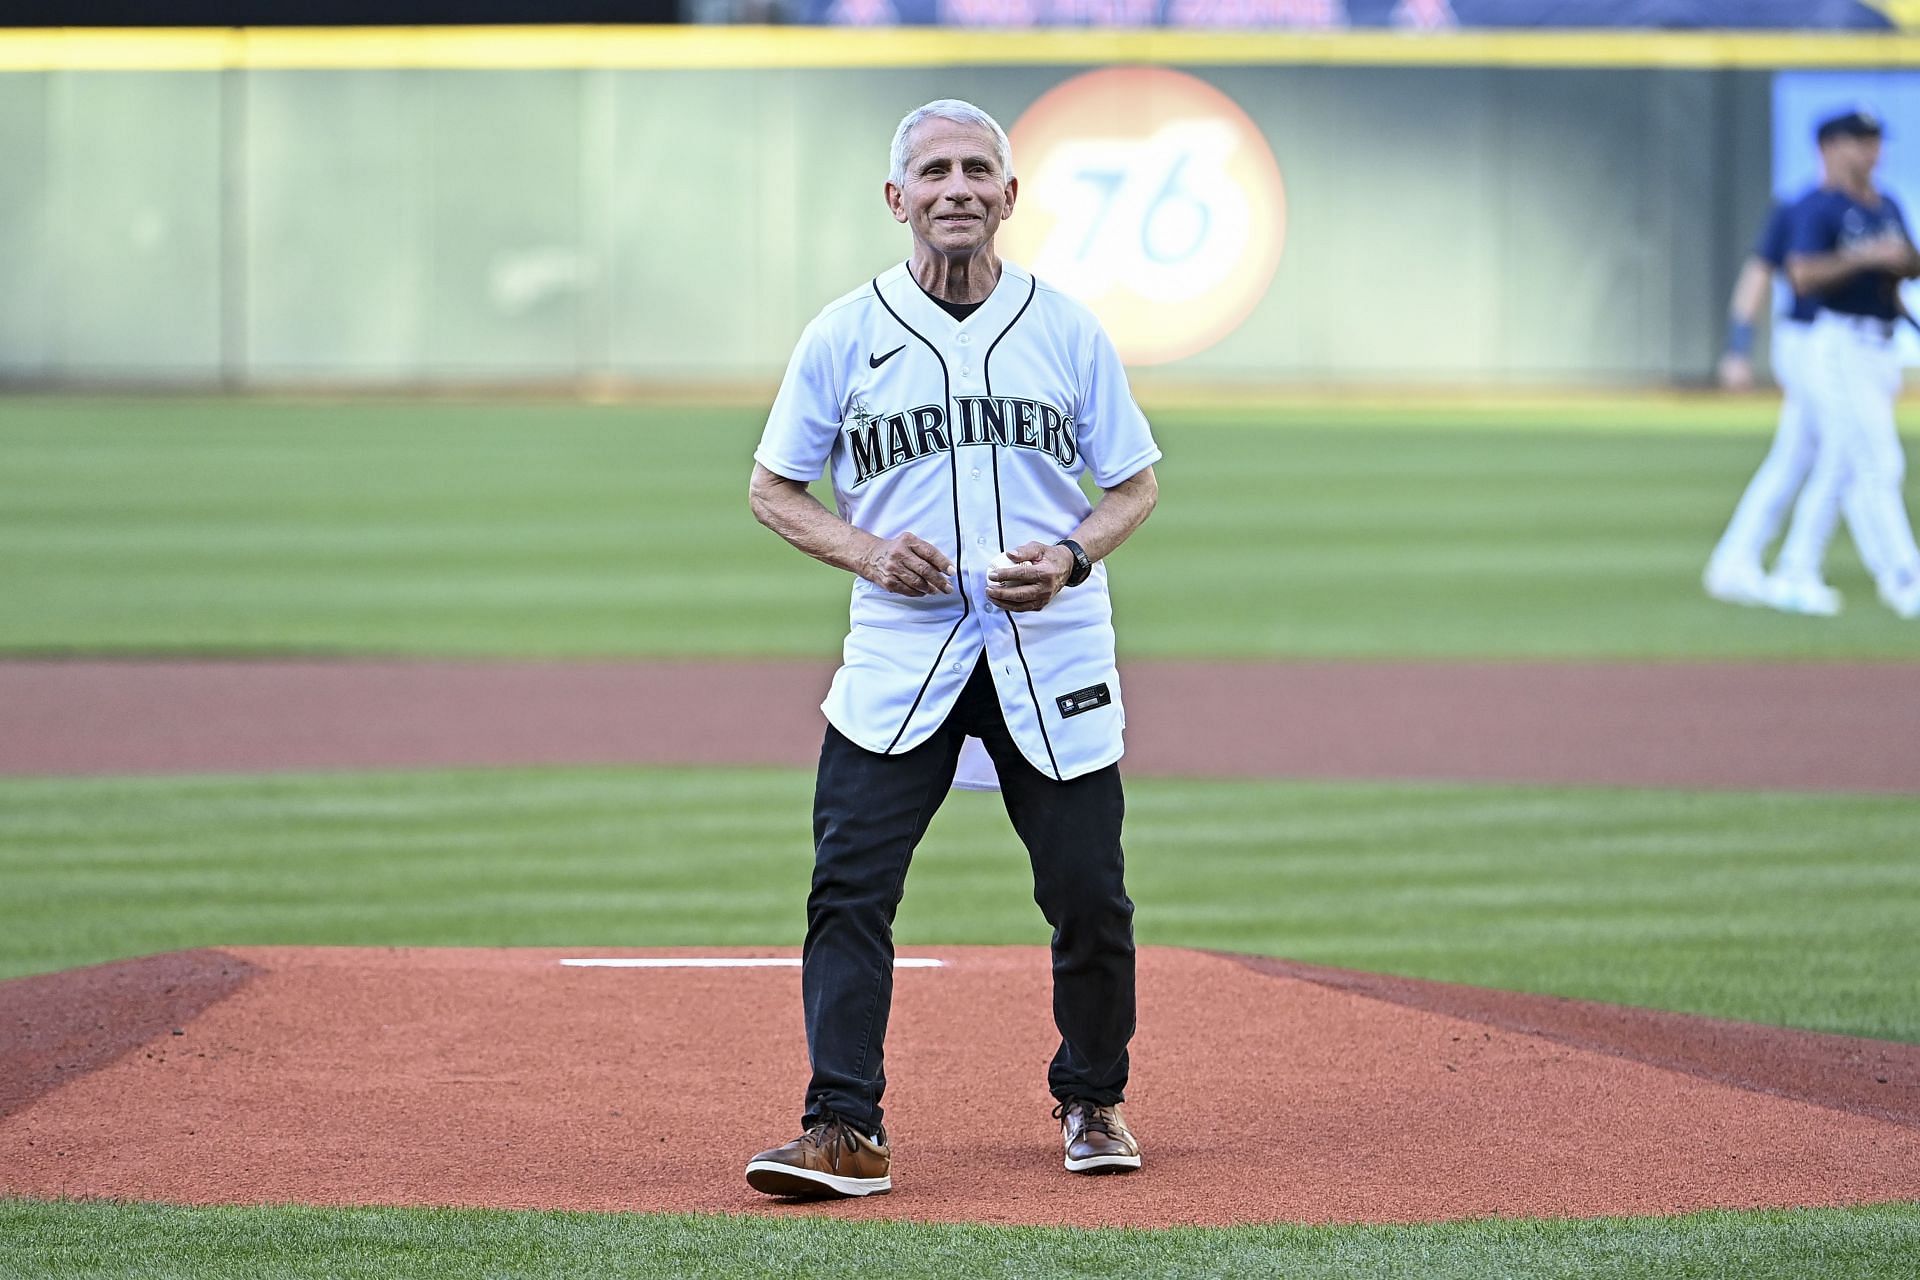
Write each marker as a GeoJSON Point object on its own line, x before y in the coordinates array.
{"type": "Point", "coordinates": [956, 401]}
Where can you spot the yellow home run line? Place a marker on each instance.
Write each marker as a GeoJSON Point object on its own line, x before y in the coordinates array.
{"type": "Point", "coordinates": [754, 48]}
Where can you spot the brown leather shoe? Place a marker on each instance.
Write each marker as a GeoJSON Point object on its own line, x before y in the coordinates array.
{"type": "Point", "coordinates": [1096, 1138]}
{"type": "Point", "coordinates": [829, 1160]}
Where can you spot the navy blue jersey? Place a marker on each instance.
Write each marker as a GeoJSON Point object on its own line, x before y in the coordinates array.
{"type": "Point", "coordinates": [1776, 238]}
{"type": "Point", "coordinates": [1828, 221]}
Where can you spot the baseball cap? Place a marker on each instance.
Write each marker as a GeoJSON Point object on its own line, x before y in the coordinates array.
{"type": "Point", "coordinates": [1854, 122]}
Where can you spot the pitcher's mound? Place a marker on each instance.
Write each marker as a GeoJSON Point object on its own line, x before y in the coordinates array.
{"type": "Point", "coordinates": [1263, 1091]}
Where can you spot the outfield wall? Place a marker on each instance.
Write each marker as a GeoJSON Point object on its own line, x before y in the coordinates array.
{"type": "Point", "coordinates": [417, 225]}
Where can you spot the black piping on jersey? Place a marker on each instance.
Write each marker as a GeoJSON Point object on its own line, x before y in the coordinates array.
{"type": "Point", "coordinates": [1000, 520]}
{"type": "Point", "coordinates": [966, 609]}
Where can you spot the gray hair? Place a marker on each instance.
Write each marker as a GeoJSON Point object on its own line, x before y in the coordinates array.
{"type": "Point", "coordinates": [946, 109]}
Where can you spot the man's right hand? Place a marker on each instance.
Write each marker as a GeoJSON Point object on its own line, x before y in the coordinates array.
{"type": "Point", "coordinates": [907, 566]}
{"type": "Point", "coordinates": [1736, 372]}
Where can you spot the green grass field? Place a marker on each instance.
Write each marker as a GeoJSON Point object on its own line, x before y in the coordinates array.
{"type": "Point", "coordinates": [80, 1242]}
{"type": "Point", "coordinates": [516, 529]}
{"type": "Point", "coordinates": [1793, 909]}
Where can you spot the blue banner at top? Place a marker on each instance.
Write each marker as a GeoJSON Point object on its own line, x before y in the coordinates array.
{"type": "Point", "coordinates": [1330, 15]}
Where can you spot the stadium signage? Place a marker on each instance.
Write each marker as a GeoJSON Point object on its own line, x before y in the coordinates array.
{"type": "Point", "coordinates": [1150, 196]}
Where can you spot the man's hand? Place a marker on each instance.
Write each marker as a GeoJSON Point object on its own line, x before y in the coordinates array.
{"type": "Point", "coordinates": [1889, 253]}
{"type": "Point", "coordinates": [1037, 576]}
{"type": "Point", "coordinates": [907, 566]}
{"type": "Point", "coordinates": [1906, 262]}
{"type": "Point", "coordinates": [1736, 372]}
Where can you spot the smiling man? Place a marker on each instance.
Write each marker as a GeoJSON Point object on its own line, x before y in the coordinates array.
{"type": "Point", "coordinates": [955, 402]}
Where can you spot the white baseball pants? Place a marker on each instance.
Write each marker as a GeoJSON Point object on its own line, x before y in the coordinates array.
{"type": "Point", "coordinates": [1853, 376]}
{"type": "Point", "coordinates": [1763, 507]}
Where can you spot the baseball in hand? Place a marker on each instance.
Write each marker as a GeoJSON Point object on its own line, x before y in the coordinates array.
{"type": "Point", "coordinates": [1001, 561]}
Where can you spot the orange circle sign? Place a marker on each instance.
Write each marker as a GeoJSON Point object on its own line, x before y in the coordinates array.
{"type": "Point", "coordinates": [1150, 196]}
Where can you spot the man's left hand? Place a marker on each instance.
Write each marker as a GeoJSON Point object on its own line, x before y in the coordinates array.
{"type": "Point", "coordinates": [1037, 576]}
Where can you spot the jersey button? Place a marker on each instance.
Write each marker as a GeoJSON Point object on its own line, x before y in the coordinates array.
{"type": "Point", "coordinates": [964, 339]}
{"type": "Point", "coordinates": [976, 473]}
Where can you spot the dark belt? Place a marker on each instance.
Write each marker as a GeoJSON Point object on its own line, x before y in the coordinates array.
{"type": "Point", "coordinates": [1879, 326]}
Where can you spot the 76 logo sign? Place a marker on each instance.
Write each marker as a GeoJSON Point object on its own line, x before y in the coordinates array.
{"type": "Point", "coordinates": [1160, 217]}
{"type": "Point", "coordinates": [1150, 196]}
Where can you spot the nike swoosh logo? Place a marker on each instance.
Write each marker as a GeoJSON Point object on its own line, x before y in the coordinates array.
{"type": "Point", "coordinates": [874, 362]}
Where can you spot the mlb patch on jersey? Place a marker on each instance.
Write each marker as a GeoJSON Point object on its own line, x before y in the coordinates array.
{"type": "Point", "coordinates": [1072, 704]}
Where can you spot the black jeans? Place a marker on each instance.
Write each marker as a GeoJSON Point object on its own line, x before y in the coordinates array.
{"type": "Point", "coordinates": [870, 812]}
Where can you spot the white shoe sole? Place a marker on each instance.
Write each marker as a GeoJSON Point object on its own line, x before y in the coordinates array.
{"type": "Point", "coordinates": [777, 1179]}
{"type": "Point", "coordinates": [1811, 601]}
{"type": "Point", "coordinates": [1904, 607]}
{"type": "Point", "coordinates": [1747, 594]}
{"type": "Point", "coordinates": [1099, 1164]}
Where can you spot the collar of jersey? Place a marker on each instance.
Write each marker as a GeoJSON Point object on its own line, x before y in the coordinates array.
{"type": "Point", "coordinates": [904, 294]}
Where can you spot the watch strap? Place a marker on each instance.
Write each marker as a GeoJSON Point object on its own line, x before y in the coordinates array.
{"type": "Point", "coordinates": [1082, 566]}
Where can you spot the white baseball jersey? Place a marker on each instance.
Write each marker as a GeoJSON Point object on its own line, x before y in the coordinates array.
{"type": "Point", "coordinates": [971, 434]}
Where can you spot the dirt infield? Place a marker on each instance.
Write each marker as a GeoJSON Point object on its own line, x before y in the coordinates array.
{"type": "Point", "coordinates": [59, 1027]}
{"type": "Point", "coordinates": [1810, 727]}
{"type": "Point", "coordinates": [1262, 1093]}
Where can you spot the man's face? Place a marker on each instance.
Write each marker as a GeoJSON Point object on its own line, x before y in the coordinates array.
{"type": "Point", "coordinates": [955, 195]}
{"type": "Point", "coordinates": [1853, 157]}
{"type": "Point", "coordinates": [1868, 150]}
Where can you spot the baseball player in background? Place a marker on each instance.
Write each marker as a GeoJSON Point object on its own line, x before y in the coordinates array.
{"type": "Point", "coordinates": [955, 401]}
{"type": "Point", "coordinates": [1849, 251]}
{"type": "Point", "coordinates": [1736, 570]}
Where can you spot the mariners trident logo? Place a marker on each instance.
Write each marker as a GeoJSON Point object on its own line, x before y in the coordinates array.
{"type": "Point", "coordinates": [881, 442]}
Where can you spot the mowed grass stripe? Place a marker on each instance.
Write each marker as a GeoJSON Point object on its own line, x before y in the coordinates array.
{"type": "Point", "coordinates": [576, 530]}
{"type": "Point", "coordinates": [99, 1241]}
{"type": "Point", "coordinates": [1790, 909]}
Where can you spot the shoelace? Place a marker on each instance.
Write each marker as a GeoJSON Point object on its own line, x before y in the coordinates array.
{"type": "Point", "coordinates": [834, 1137]}
{"type": "Point", "coordinates": [1093, 1117]}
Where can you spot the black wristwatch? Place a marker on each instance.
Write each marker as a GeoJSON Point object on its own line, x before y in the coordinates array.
{"type": "Point", "coordinates": [1082, 567]}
